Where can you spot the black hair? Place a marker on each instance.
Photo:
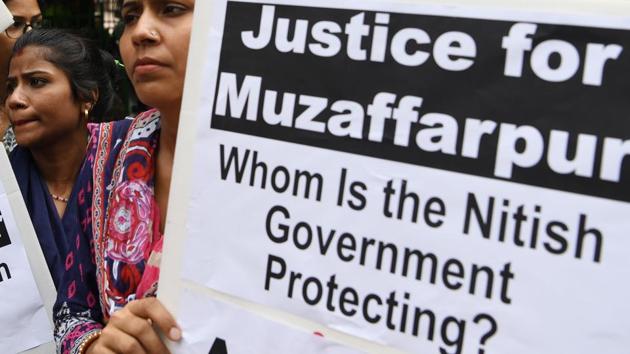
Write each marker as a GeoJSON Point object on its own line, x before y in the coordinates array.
{"type": "Point", "coordinates": [89, 69]}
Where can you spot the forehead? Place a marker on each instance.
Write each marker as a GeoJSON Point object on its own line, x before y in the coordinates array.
{"type": "Point", "coordinates": [31, 58]}
{"type": "Point", "coordinates": [23, 8]}
{"type": "Point", "coordinates": [138, 2]}
{"type": "Point", "coordinates": [127, 3]}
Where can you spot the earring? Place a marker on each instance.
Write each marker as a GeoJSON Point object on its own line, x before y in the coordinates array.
{"type": "Point", "coordinates": [86, 113]}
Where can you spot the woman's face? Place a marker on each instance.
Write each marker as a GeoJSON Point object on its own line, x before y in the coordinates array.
{"type": "Point", "coordinates": [23, 11]}
{"type": "Point", "coordinates": [154, 48]}
{"type": "Point", "coordinates": [40, 103]}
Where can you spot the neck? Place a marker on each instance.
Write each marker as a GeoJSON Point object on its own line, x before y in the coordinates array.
{"type": "Point", "coordinates": [165, 155]}
{"type": "Point", "coordinates": [59, 163]}
{"type": "Point", "coordinates": [168, 129]}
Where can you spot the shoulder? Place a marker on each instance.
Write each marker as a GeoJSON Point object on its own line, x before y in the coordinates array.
{"type": "Point", "coordinates": [108, 135]}
{"type": "Point", "coordinates": [9, 140]}
{"type": "Point", "coordinates": [18, 153]}
{"type": "Point", "coordinates": [145, 124]}
{"type": "Point", "coordinates": [131, 128]}
{"type": "Point", "coordinates": [116, 129]}
{"type": "Point", "coordinates": [109, 140]}
{"type": "Point", "coordinates": [104, 144]}
{"type": "Point", "coordinates": [22, 166]}
{"type": "Point", "coordinates": [20, 158]}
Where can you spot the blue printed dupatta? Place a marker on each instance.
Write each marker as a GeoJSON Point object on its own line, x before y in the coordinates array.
{"type": "Point", "coordinates": [116, 258]}
{"type": "Point", "coordinates": [53, 232]}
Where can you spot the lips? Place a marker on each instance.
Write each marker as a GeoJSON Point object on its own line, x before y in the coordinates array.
{"type": "Point", "coordinates": [22, 122]}
{"type": "Point", "coordinates": [146, 65]}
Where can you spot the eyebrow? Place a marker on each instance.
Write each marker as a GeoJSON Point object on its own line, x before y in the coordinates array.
{"type": "Point", "coordinates": [31, 73]}
{"type": "Point", "coordinates": [128, 4]}
{"type": "Point", "coordinates": [22, 18]}
{"type": "Point", "coordinates": [137, 3]}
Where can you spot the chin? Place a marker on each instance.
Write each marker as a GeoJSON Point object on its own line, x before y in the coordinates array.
{"type": "Point", "coordinates": [31, 141]}
{"type": "Point", "coordinates": [26, 142]}
{"type": "Point", "coordinates": [156, 99]}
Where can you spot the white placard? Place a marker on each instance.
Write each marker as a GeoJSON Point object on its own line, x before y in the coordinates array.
{"type": "Point", "coordinates": [404, 173]}
{"type": "Point", "coordinates": [216, 328]}
{"type": "Point", "coordinates": [5, 17]}
{"type": "Point", "coordinates": [27, 293]}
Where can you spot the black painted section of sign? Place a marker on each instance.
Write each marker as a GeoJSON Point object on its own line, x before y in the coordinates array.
{"type": "Point", "coordinates": [482, 92]}
{"type": "Point", "coordinates": [218, 347]}
{"type": "Point", "coordinates": [5, 240]}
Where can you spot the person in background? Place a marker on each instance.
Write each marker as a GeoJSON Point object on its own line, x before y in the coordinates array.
{"type": "Point", "coordinates": [106, 301]}
{"type": "Point", "coordinates": [57, 83]}
{"type": "Point", "coordinates": [26, 15]}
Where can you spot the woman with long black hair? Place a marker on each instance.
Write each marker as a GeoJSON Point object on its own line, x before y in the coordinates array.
{"type": "Point", "coordinates": [57, 84]}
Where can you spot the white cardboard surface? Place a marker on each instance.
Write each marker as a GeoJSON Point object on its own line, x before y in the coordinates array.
{"type": "Point", "coordinates": [225, 246]}
{"type": "Point", "coordinates": [28, 297]}
{"type": "Point", "coordinates": [5, 17]}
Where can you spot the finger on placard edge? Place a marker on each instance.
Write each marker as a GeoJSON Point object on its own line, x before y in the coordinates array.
{"type": "Point", "coordinates": [152, 308]}
{"type": "Point", "coordinates": [101, 350]}
{"type": "Point", "coordinates": [117, 341]}
{"type": "Point", "coordinates": [142, 330]}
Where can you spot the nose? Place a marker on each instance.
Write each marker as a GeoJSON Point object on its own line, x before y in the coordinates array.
{"type": "Point", "coordinates": [145, 32]}
{"type": "Point", "coordinates": [28, 27]}
{"type": "Point", "coordinates": [16, 100]}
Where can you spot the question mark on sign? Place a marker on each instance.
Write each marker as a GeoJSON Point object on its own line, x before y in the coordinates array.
{"type": "Point", "coordinates": [493, 329]}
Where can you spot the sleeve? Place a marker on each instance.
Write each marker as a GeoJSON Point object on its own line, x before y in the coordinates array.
{"type": "Point", "coordinates": [77, 311]}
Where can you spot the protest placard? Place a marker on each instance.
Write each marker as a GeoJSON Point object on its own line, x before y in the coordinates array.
{"type": "Point", "coordinates": [5, 17]}
{"type": "Point", "coordinates": [429, 178]}
{"type": "Point", "coordinates": [27, 293]}
{"type": "Point", "coordinates": [226, 329]}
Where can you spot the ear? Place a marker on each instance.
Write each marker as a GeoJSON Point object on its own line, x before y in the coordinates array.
{"type": "Point", "coordinates": [95, 96]}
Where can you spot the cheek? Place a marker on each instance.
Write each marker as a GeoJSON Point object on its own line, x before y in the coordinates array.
{"type": "Point", "coordinates": [6, 44]}
{"type": "Point", "coordinates": [184, 47]}
{"type": "Point", "coordinates": [126, 50]}
{"type": "Point", "coordinates": [69, 116]}
{"type": "Point", "coordinates": [58, 112]}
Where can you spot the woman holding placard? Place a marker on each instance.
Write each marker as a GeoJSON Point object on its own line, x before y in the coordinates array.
{"type": "Point", "coordinates": [106, 302]}
{"type": "Point", "coordinates": [56, 82]}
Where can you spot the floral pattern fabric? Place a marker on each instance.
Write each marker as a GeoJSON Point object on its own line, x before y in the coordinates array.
{"type": "Point", "coordinates": [9, 140]}
{"type": "Point", "coordinates": [113, 261]}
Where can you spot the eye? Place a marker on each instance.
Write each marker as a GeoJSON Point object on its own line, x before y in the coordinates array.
{"type": "Point", "coordinates": [131, 14]}
{"type": "Point", "coordinates": [129, 18]}
{"type": "Point", "coordinates": [37, 82]}
{"type": "Point", "coordinates": [39, 23]}
{"type": "Point", "coordinates": [10, 87]}
{"type": "Point", "coordinates": [18, 24]}
{"type": "Point", "coordinates": [174, 9]}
